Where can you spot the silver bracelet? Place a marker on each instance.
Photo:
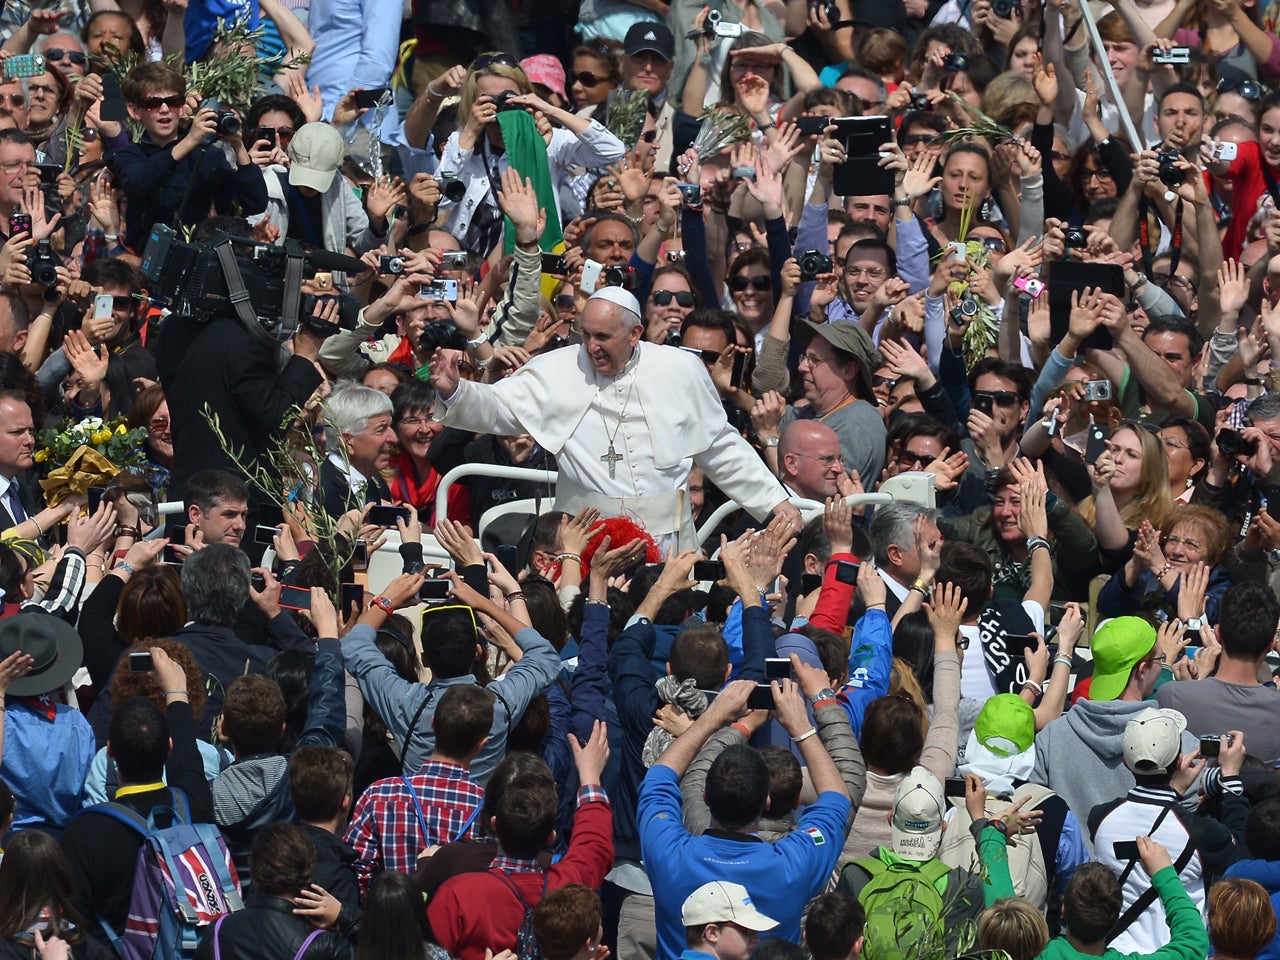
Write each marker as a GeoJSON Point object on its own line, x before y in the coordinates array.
{"type": "Point", "coordinates": [805, 736]}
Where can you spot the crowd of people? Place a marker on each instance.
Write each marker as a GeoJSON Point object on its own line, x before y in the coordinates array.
{"type": "Point", "coordinates": [1014, 263]}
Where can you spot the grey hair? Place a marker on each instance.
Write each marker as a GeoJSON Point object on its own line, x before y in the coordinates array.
{"type": "Point", "coordinates": [891, 525]}
{"type": "Point", "coordinates": [215, 583]}
{"type": "Point", "coordinates": [44, 41]}
{"type": "Point", "coordinates": [349, 409]}
{"type": "Point", "coordinates": [1265, 407]}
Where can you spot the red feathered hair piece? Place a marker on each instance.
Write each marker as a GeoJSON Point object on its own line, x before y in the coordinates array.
{"type": "Point", "coordinates": [619, 530]}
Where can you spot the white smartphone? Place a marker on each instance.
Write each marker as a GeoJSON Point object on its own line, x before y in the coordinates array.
{"type": "Point", "coordinates": [1224, 151]}
{"type": "Point", "coordinates": [102, 306]}
{"type": "Point", "coordinates": [591, 275]}
{"type": "Point", "coordinates": [959, 251]}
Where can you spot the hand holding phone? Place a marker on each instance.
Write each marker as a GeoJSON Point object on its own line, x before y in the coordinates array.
{"type": "Point", "coordinates": [140, 661]}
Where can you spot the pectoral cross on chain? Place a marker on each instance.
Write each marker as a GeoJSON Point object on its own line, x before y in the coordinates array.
{"type": "Point", "coordinates": [612, 458]}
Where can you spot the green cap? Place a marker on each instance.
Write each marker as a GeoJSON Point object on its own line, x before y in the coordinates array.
{"type": "Point", "coordinates": [1118, 646]}
{"type": "Point", "coordinates": [1006, 725]}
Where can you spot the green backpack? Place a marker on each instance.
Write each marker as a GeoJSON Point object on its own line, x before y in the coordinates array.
{"type": "Point", "coordinates": [902, 904]}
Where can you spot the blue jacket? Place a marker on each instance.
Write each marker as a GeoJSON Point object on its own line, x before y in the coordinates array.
{"type": "Point", "coordinates": [781, 877]}
{"type": "Point", "coordinates": [1115, 599]}
{"type": "Point", "coordinates": [636, 699]}
{"type": "Point", "coordinates": [870, 663]}
{"type": "Point", "coordinates": [1266, 873]}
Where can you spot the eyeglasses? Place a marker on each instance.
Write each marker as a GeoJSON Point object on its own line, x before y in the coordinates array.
{"type": "Point", "coordinates": [924, 459]}
{"type": "Point", "coordinates": [9, 167]}
{"type": "Point", "coordinates": [1001, 398]}
{"type": "Point", "coordinates": [1087, 174]}
{"type": "Point", "coordinates": [53, 55]}
{"type": "Point", "coordinates": [15, 99]}
{"type": "Point", "coordinates": [489, 59]}
{"type": "Point", "coordinates": [1164, 280]}
{"type": "Point", "coordinates": [994, 244]}
{"type": "Point", "coordinates": [890, 382]}
{"type": "Point", "coordinates": [564, 302]}
{"type": "Point", "coordinates": [871, 273]}
{"type": "Point", "coordinates": [41, 91]}
{"type": "Point", "coordinates": [649, 136]}
{"type": "Point", "coordinates": [589, 79]}
{"type": "Point", "coordinates": [174, 102]}
{"type": "Point", "coordinates": [159, 423]}
{"type": "Point", "coordinates": [915, 139]}
{"type": "Point", "coordinates": [682, 297]}
{"type": "Point", "coordinates": [830, 460]}
{"type": "Point", "coordinates": [740, 282]}
{"type": "Point", "coordinates": [1172, 541]}
{"type": "Point", "coordinates": [1249, 89]}
{"type": "Point", "coordinates": [812, 359]}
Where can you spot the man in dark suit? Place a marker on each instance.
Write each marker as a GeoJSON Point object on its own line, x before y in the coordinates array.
{"type": "Point", "coordinates": [17, 446]}
{"type": "Point", "coordinates": [357, 420]}
{"type": "Point", "coordinates": [221, 364]}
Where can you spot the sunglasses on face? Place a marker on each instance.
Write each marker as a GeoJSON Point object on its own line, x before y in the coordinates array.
{"type": "Point", "coordinates": [994, 244]}
{"type": "Point", "coordinates": [75, 56]}
{"type": "Point", "coordinates": [879, 381]}
{"type": "Point", "coordinates": [155, 103]}
{"type": "Point", "coordinates": [682, 297]}
{"type": "Point", "coordinates": [16, 99]}
{"type": "Point", "coordinates": [740, 283]}
{"type": "Point", "coordinates": [923, 459]}
{"type": "Point", "coordinates": [1001, 398]}
{"type": "Point", "coordinates": [709, 357]}
{"type": "Point", "coordinates": [1249, 89]}
{"type": "Point", "coordinates": [283, 134]}
{"type": "Point", "coordinates": [915, 139]}
{"type": "Point", "coordinates": [649, 136]}
{"type": "Point", "coordinates": [489, 59]}
{"type": "Point", "coordinates": [564, 303]}
{"type": "Point", "coordinates": [589, 79]}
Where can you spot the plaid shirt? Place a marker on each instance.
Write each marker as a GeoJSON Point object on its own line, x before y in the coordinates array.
{"type": "Point", "coordinates": [385, 831]}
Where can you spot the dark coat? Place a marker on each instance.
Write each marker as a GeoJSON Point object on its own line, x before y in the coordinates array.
{"type": "Point", "coordinates": [266, 929]}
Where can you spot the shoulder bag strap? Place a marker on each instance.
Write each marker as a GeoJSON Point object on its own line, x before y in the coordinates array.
{"type": "Point", "coordinates": [468, 822]}
{"type": "Point", "coordinates": [1148, 896]}
{"type": "Point", "coordinates": [408, 734]}
{"type": "Point", "coordinates": [217, 947]}
{"type": "Point", "coordinates": [417, 806]}
{"type": "Point", "coordinates": [305, 944]}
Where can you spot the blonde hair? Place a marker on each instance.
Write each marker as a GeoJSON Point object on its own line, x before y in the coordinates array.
{"type": "Point", "coordinates": [902, 679]}
{"type": "Point", "coordinates": [1006, 93]}
{"type": "Point", "coordinates": [1014, 926]}
{"type": "Point", "coordinates": [1152, 502]}
{"type": "Point", "coordinates": [469, 92]}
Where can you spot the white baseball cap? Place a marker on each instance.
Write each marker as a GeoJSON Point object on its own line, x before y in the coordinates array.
{"type": "Point", "coordinates": [918, 805]}
{"type": "Point", "coordinates": [723, 902]}
{"type": "Point", "coordinates": [315, 153]}
{"type": "Point", "coordinates": [1153, 740]}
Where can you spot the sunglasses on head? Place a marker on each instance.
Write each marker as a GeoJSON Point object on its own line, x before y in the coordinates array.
{"type": "Point", "coordinates": [740, 283]}
{"type": "Point", "coordinates": [588, 79]}
{"type": "Point", "coordinates": [174, 102]}
{"type": "Point", "coordinates": [1146, 425]}
{"type": "Point", "coordinates": [1001, 398]}
{"type": "Point", "coordinates": [75, 56]}
{"type": "Point", "coordinates": [1249, 89]}
{"type": "Point", "coordinates": [682, 297]}
{"type": "Point", "coordinates": [489, 59]}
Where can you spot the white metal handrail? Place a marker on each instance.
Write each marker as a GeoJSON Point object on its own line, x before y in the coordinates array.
{"type": "Point", "coordinates": [496, 470]}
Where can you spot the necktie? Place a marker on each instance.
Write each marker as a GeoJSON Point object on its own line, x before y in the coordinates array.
{"type": "Point", "coordinates": [14, 503]}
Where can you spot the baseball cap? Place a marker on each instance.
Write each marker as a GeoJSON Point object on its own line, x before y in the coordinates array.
{"type": "Point", "coordinates": [916, 828]}
{"type": "Point", "coordinates": [315, 153]}
{"type": "Point", "coordinates": [800, 645]}
{"type": "Point", "coordinates": [648, 35]}
{"type": "Point", "coordinates": [1118, 646]}
{"type": "Point", "coordinates": [852, 339]}
{"type": "Point", "coordinates": [1153, 740]}
{"type": "Point", "coordinates": [545, 69]}
{"type": "Point", "coordinates": [1006, 725]}
{"type": "Point", "coordinates": [723, 902]}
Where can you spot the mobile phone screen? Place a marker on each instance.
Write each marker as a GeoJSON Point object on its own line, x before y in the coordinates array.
{"type": "Point", "coordinates": [777, 668]}
{"type": "Point", "coordinates": [140, 662]}
{"type": "Point", "coordinates": [294, 598]}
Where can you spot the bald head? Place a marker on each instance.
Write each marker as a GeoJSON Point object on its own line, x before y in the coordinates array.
{"type": "Point", "coordinates": [809, 459]}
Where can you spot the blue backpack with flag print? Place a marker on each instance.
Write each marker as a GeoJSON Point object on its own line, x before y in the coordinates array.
{"type": "Point", "coordinates": [184, 881]}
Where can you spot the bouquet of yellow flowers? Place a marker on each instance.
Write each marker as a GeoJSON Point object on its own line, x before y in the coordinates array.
{"type": "Point", "coordinates": [86, 453]}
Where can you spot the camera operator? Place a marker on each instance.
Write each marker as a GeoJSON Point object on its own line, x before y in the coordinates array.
{"type": "Point", "coordinates": [221, 364]}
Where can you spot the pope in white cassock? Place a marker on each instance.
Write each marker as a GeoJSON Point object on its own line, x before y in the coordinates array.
{"type": "Point", "coordinates": [625, 420]}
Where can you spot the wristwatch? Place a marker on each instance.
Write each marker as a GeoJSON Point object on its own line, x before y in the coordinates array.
{"type": "Point", "coordinates": [826, 693]}
{"type": "Point", "coordinates": [385, 605]}
{"type": "Point", "coordinates": [1194, 623]}
{"type": "Point", "coordinates": [901, 201]}
{"type": "Point", "coordinates": [772, 441]}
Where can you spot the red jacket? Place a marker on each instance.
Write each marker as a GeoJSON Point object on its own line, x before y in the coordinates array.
{"type": "Point", "coordinates": [475, 911]}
